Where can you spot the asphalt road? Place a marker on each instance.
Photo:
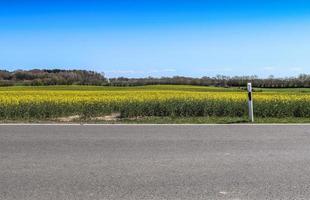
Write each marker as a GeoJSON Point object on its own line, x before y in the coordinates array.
{"type": "Point", "coordinates": [154, 162]}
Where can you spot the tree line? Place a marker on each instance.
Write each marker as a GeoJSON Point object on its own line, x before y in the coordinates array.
{"type": "Point", "coordinates": [43, 77]}
{"type": "Point", "coordinates": [302, 81]}
{"type": "Point", "coordinates": [37, 77]}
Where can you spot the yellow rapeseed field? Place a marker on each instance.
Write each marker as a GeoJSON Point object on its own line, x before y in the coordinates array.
{"type": "Point", "coordinates": [59, 101]}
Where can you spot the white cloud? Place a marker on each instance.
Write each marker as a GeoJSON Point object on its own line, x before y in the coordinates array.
{"type": "Point", "coordinates": [161, 70]}
{"type": "Point", "coordinates": [124, 71]}
{"type": "Point", "coordinates": [296, 69]}
{"type": "Point", "coordinates": [269, 68]}
{"type": "Point", "coordinates": [217, 69]}
{"type": "Point", "coordinates": [139, 72]}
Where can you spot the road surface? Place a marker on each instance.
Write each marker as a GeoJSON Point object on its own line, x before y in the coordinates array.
{"type": "Point", "coordinates": [154, 162]}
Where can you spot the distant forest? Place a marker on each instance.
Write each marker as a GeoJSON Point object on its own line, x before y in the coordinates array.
{"type": "Point", "coordinates": [45, 77]}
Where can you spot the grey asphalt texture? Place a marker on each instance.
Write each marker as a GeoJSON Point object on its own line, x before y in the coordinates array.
{"type": "Point", "coordinates": [154, 162]}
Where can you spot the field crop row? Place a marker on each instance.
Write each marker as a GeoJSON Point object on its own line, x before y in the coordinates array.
{"type": "Point", "coordinates": [49, 103]}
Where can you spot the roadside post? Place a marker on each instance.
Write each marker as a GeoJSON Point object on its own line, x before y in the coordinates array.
{"type": "Point", "coordinates": [250, 100]}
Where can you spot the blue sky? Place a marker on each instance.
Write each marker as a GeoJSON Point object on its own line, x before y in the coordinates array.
{"type": "Point", "coordinates": [158, 38]}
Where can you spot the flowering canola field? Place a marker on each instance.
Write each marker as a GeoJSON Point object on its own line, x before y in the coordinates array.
{"type": "Point", "coordinates": [88, 101]}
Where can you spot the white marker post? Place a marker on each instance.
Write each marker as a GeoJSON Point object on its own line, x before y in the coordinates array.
{"type": "Point", "coordinates": [251, 114]}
